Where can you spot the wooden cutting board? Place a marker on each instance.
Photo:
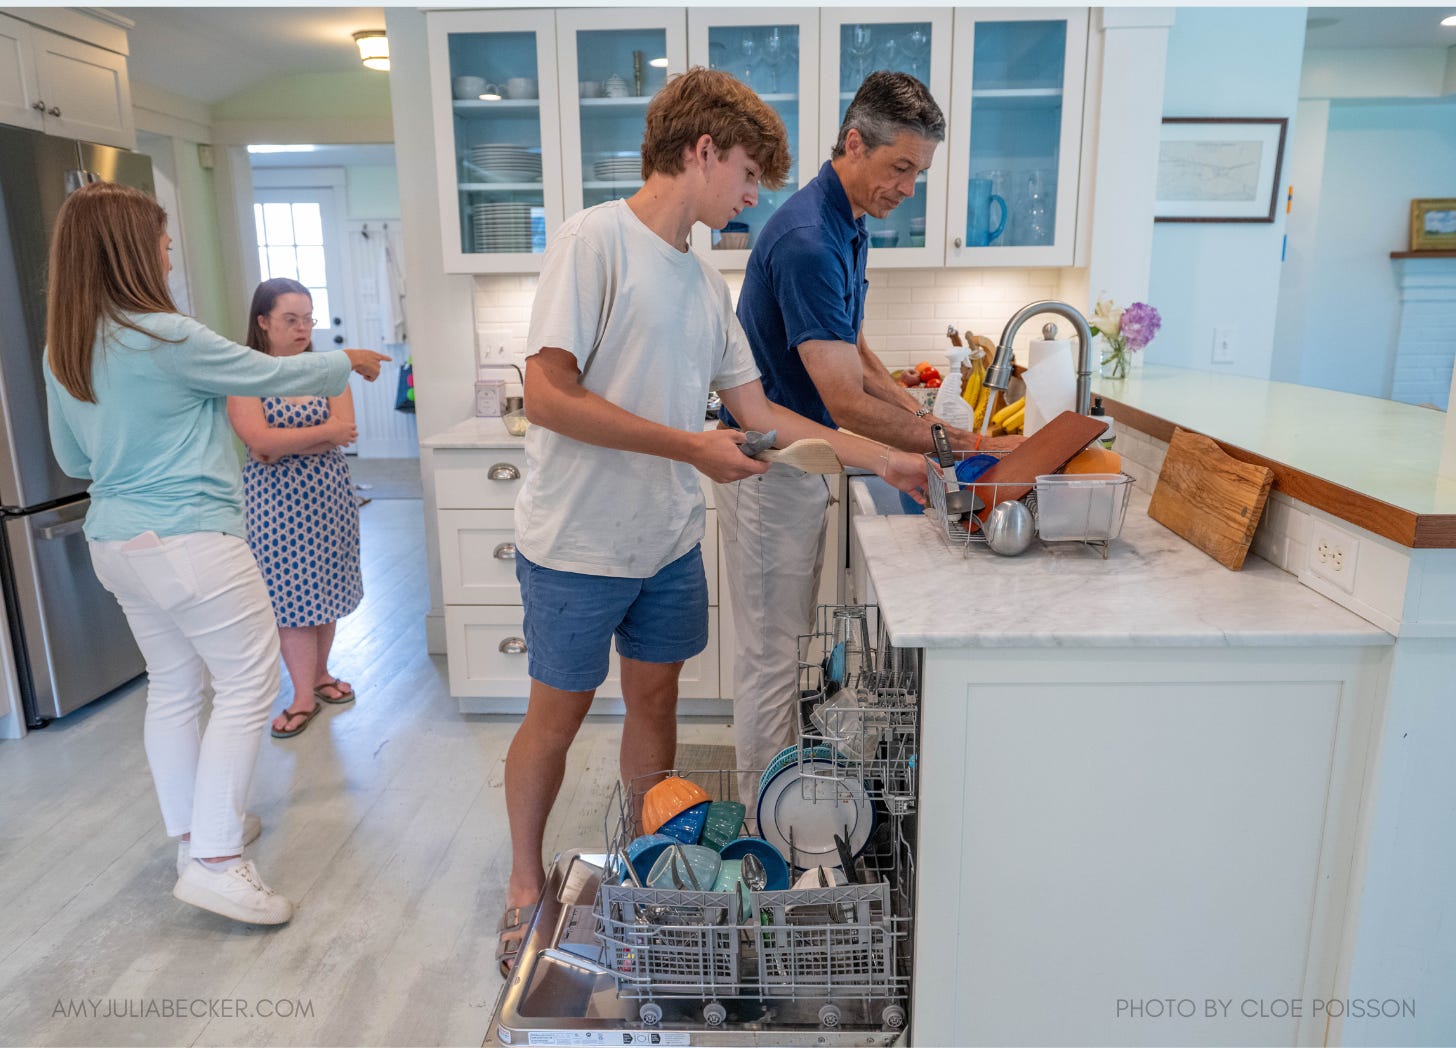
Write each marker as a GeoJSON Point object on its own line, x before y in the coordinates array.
{"type": "Point", "coordinates": [1045, 451]}
{"type": "Point", "coordinates": [1210, 498]}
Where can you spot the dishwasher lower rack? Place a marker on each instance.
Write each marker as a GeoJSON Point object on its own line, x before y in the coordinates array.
{"type": "Point", "coordinates": [559, 992]}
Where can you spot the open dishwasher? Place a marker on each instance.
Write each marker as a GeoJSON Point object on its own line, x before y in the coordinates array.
{"type": "Point", "coordinates": [607, 961]}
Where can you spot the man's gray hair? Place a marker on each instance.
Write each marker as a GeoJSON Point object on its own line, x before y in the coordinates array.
{"type": "Point", "coordinates": [888, 104]}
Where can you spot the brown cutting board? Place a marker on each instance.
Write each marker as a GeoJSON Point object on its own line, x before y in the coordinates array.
{"type": "Point", "coordinates": [1210, 498]}
{"type": "Point", "coordinates": [1045, 451]}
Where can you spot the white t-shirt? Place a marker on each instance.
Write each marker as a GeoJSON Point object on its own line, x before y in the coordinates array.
{"type": "Point", "coordinates": [652, 330]}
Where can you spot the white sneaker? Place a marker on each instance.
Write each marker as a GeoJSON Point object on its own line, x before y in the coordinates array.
{"type": "Point", "coordinates": [237, 892]}
{"type": "Point", "coordinates": [252, 827]}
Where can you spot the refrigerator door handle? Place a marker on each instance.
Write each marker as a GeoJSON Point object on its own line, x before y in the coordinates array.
{"type": "Point", "coordinates": [80, 177]}
{"type": "Point", "coordinates": [61, 530]}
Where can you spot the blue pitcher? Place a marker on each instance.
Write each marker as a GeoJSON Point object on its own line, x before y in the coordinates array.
{"type": "Point", "coordinates": [979, 199]}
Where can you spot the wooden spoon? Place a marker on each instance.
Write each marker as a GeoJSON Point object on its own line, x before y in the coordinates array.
{"type": "Point", "coordinates": [811, 455]}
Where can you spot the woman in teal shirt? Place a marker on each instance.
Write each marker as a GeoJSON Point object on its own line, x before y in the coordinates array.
{"type": "Point", "coordinates": [138, 405]}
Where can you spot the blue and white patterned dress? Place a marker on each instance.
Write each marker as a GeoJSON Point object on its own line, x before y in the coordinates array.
{"type": "Point", "coordinates": [303, 523]}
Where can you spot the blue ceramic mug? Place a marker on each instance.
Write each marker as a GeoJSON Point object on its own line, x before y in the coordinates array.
{"type": "Point", "coordinates": [979, 199]}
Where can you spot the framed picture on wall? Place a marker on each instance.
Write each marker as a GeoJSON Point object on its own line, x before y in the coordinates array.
{"type": "Point", "coordinates": [1433, 225]}
{"type": "Point", "coordinates": [1219, 169]}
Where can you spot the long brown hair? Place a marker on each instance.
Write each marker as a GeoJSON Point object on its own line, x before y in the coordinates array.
{"type": "Point", "coordinates": [105, 262]}
{"type": "Point", "coordinates": [265, 297]}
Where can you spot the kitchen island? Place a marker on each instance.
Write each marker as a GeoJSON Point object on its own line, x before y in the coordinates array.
{"type": "Point", "coordinates": [1140, 780]}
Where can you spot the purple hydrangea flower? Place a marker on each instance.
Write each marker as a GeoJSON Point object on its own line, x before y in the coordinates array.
{"type": "Point", "coordinates": [1140, 322]}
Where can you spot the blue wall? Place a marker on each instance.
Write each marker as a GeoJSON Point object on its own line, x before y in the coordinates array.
{"type": "Point", "coordinates": [1232, 62]}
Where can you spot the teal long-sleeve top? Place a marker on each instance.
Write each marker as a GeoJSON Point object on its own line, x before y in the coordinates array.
{"type": "Point", "coordinates": [156, 445]}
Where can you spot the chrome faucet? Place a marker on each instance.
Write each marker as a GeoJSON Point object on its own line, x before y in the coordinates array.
{"type": "Point", "coordinates": [998, 375]}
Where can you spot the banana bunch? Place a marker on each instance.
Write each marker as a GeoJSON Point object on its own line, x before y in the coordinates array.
{"type": "Point", "coordinates": [1012, 417]}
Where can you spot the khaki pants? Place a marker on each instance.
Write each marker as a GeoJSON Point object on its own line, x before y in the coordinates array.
{"type": "Point", "coordinates": [772, 532]}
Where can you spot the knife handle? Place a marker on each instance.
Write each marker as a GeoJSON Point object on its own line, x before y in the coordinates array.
{"type": "Point", "coordinates": [942, 446]}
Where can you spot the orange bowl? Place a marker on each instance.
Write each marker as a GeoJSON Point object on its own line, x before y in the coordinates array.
{"type": "Point", "coordinates": [670, 797]}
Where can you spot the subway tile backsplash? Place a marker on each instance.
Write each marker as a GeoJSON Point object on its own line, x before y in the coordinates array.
{"type": "Point", "coordinates": [906, 314]}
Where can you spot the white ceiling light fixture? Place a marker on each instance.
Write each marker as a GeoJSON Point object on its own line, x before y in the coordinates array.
{"type": "Point", "coordinates": [373, 49]}
{"type": "Point", "coordinates": [658, 63]}
{"type": "Point", "coordinates": [1449, 20]}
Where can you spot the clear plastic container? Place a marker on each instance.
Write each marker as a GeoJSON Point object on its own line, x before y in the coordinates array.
{"type": "Point", "coordinates": [1085, 507]}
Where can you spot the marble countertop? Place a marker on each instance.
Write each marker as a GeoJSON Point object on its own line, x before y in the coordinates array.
{"type": "Point", "coordinates": [1153, 589]}
{"type": "Point", "coordinates": [488, 432]}
{"type": "Point", "coordinates": [1381, 448]}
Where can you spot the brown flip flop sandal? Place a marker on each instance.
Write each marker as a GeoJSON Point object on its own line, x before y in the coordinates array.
{"type": "Point", "coordinates": [511, 933]}
{"type": "Point", "coordinates": [337, 685]}
{"type": "Point", "coordinates": [307, 715]}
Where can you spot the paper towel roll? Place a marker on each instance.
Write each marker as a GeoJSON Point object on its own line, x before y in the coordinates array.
{"type": "Point", "coordinates": [1051, 382]}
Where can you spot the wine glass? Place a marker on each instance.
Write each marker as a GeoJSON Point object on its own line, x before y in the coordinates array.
{"type": "Point", "coordinates": [859, 47]}
{"type": "Point", "coordinates": [775, 50]}
{"type": "Point", "coordinates": [916, 46]}
{"type": "Point", "coordinates": [748, 53]}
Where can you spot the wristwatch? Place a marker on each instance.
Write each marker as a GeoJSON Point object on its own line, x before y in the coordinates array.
{"type": "Point", "coordinates": [922, 412]}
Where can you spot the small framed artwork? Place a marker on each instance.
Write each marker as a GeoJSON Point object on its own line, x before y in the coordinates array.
{"type": "Point", "coordinates": [1433, 225]}
{"type": "Point", "coordinates": [1221, 169]}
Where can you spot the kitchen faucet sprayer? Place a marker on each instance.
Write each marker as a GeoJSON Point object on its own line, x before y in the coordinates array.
{"type": "Point", "coordinates": [998, 376]}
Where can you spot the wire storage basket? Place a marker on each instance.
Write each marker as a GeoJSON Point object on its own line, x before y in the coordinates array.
{"type": "Point", "coordinates": [1088, 509]}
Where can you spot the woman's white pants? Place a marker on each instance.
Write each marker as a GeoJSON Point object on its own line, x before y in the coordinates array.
{"type": "Point", "coordinates": [197, 606]}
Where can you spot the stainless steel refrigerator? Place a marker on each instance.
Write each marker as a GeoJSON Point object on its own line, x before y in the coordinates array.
{"type": "Point", "coordinates": [71, 641]}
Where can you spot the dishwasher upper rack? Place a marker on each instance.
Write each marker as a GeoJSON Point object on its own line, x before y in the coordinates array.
{"type": "Point", "coordinates": [863, 703]}
{"type": "Point", "coordinates": [839, 957]}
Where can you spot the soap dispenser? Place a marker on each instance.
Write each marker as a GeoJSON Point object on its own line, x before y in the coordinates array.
{"type": "Point", "coordinates": [949, 407]}
{"type": "Point", "coordinates": [1100, 414]}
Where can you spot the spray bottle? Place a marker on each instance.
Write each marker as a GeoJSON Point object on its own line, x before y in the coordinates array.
{"type": "Point", "coordinates": [949, 407]}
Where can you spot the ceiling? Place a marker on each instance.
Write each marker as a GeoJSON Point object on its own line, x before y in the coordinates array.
{"type": "Point", "coordinates": [1379, 27]}
{"type": "Point", "coordinates": [210, 53]}
{"type": "Point", "coordinates": [328, 156]}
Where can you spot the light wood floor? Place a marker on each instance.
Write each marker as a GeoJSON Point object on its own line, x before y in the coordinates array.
{"type": "Point", "coordinates": [384, 822]}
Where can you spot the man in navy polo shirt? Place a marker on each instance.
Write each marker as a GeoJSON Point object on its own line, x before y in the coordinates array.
{"type": "Point", "coordinates": [802, 306]}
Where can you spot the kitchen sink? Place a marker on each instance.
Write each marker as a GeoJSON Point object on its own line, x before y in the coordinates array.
{"type": "Point", "coordinates": [875, 497]}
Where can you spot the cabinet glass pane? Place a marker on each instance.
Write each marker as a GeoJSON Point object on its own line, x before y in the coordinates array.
{"type": "Point", "coordinates": [766, 58]}
{"type": "Point", "coordinates": [618, 79]}
{"type": "Point", "coordinates": [497, 118]}
{"type": "Point", "coordinates": [902, 47]}
{"type": "Point", "coordinates": [1016, 129]}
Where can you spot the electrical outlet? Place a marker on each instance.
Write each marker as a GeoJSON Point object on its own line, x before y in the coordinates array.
{"type": "Point", "coordinates": [1223, 346]}
{"type": "Point", "coordinates": [1333, 554]}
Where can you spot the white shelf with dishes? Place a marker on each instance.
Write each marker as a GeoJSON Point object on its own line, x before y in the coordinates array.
{"type": "Point", "coordinates": [1011, 89]}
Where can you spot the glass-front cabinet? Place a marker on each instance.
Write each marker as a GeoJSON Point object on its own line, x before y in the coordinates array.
{"type": "Point", "coordinates": [856, 42]}
{"type": "Point", "coordinates": [611, 64]}
{"type": "Point", "coordinates": [774, 51]}
{"type": "Point", "coordinates": [493, 79]}
{"type": "Point", "coordinates": [1015, 136]}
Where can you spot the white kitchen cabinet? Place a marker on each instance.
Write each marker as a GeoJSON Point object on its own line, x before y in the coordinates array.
{"type": "Point", "coordinates": [915, 40]}
{"type": "Point", "coordinates": [1014, 139]}
{"type": "Point", "coordinates": [62, 86]}
{"type": "Point", "coordinates": [493, 82]}
{"type": "Point", "coordinates": [626, 55]}
{"type": "Point", "coordinates": [775, 52]}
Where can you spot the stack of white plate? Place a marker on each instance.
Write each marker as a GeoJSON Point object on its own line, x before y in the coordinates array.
{"type": "Point", "coordinates": [502, 162]}
{"type": "Point", "coordinates": [619, 167]}
{"type": "Point", "coordinates": [501, 226]}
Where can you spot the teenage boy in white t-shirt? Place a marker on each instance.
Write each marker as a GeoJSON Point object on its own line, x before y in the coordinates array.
{"type": "Point", "coordinates": [629, 332]}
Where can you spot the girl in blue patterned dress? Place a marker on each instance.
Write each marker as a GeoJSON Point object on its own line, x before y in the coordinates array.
{"type": "Point", "coordinates": [303, 522]}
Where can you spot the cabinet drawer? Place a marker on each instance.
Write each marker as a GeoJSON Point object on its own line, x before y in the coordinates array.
{"type": "Point", "coordinates": [479, 666]}
{"type": "Point", "coordinates": [478, 556]}
{"type": "Point", "coordinates": [478, 478]}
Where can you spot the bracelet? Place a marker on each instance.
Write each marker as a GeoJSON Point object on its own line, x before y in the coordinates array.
{"type": "Point", "coordinates": [922, 412]}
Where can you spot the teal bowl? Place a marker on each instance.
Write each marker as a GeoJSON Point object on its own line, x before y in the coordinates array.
{"type": "Point", "coordinates": [725, 819]}
{"type": "Point", "coordinates": [643, 851]}
{"type": "Point", "coordinates": [774, 863]}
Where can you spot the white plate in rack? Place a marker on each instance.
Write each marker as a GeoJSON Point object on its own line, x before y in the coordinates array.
{"type": "Point", "coordinates": [814, 810]}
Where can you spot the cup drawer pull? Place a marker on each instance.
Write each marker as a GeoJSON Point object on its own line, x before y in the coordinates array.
{"type": "Point", "coordinates": [505, 551]}
{"type": "Point", "coordinates": [504, 471]}
{"type": "Point", "coordinates": [513, 646]}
